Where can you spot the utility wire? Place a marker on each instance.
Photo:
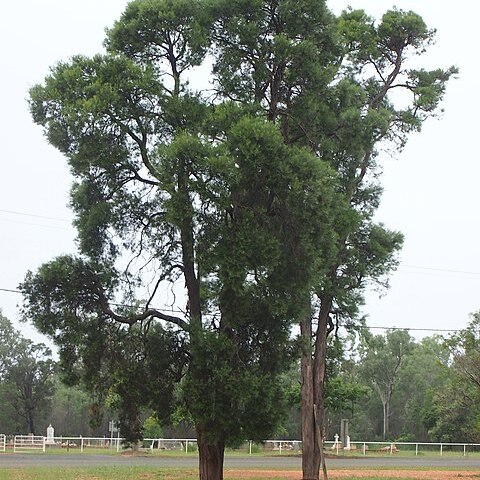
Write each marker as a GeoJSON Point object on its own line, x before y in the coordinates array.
{"type": "Point", "coordinates": [33, 215]}
{"type": "Point", "coordinates": [10, 291]}
{"type": "Point", "coordinates": [374, 327]}
{"type": "Point", "coordinates": [434, 269]}
{"type": "Point", "coordinates": [167, 310]}
{"type": "Point", "coordinates": [55, 227]}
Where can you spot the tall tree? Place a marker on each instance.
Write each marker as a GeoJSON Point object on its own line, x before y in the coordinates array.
{"type": "Point", "coordinates": [259, 196]}
{"type": "Point", "coordinates": [26, 377]}
{"type": "Point", "coordinates": [372, 69]}
{"type": "Point", "coordinates": [331, 84]}
{"type": "Point", "coordinates": [382, 360]}
{"type": "Point", "coordinates": [174, 188]}
{"type": "Point", "coordinates": [31, 376]}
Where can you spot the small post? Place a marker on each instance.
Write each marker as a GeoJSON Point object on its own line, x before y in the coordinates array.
{"type": "Point", "coordinates": [81, 443]}
{"type": "Point", "coordinates": [250, 447]}
{"type": "Point", "coordinates": [344, 432]}
{"type": "Point", "coordinates": [336, 437]}
{"type": "Point", "coordinates": [464, 450]}
{"type": "Point", "coordinates": [416, 449]}
{"type": "Point", "coordinates": [441, 449]}
{"type": "Point", "coordinates": [186, 446]}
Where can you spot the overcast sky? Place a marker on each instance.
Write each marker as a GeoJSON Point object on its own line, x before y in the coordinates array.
{"type": "Point", "coordinates": [431, 191]}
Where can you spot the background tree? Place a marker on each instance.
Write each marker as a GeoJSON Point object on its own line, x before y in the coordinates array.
{"type": "Point", "coordinates": [10, 341]}
{"type": "Point", "coordinates": [31, 376]}
{"type": "Point", "coordinates": [26, 381]}
{"type": "Point", "coordinates": [423, 374]}
{"type": "Point", "coordinates": [382, 362]}
{"type": "Point", "coordinates": [345, 388]}
{"type": "Point", "coordinates": [69, 411]}
{"type": "Point", "coordinates": [455, 414]}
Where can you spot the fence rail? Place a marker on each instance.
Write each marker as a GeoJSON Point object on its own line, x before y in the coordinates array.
{"type": "Point", "coordinates": [26, 443]}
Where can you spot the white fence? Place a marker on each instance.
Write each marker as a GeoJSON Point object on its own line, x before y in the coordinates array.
{"type": "Point", "coordinates": [171, 444]}
{"type": "Point", "coordinates": [26, 443]}
{"type": "Point", "coordinates": [30, 443]}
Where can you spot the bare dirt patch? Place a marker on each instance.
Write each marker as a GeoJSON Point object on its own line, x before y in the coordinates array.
{"type": "Point", "coordinates": [414, 474]}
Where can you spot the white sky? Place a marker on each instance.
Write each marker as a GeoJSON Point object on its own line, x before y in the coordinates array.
{"type": "Point", "coordinates": [431, 192]}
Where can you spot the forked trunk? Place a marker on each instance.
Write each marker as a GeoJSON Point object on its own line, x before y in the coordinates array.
{"type": "Point", "coordinates": [210, 457]}
{"type": "Point", "coordinates": [313, 369]}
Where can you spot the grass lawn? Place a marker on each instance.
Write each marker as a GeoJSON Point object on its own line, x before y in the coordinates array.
{"type": "Point", "coordinates": [97, 473]}
{"type": "Point", "coordinates": [146, 473]}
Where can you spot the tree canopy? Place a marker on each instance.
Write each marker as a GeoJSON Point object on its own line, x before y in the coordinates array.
{"type": "Point", "coordinates": [236, 205]}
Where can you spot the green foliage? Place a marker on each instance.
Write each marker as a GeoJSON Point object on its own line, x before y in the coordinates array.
{"type": "Point", "coordinates": [253, 199]}
{"type": "Point", "coordinates": [27, 384]}
{"type": "Point", "coordinates": [69, 411]}
{"type": "Point", "coordinates": [152, 428]}
{"type": "Point", "coordinates": [454, 409]}
{"type": "Point", "coordinates": [10, 344]}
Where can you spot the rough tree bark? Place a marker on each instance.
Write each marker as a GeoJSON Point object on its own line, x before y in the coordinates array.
{"type": "Point", "coordinates": [313, 370]}
{"type": "Point", "coordinates": [210, 456]}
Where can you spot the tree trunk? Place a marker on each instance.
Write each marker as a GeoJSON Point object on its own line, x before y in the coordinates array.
{"type": "Point", "coordinates": [210, 457]}
{"type": "Point", "coordinates": [319, 372]}
{"type": "Point", "coordinates": [313, 386]}
{"type": "Point", "coordinates": [30, 420]}
{"type": "Point", "coordinates": [386, 417]}
{"type": "Point", "coordinates": [310, 459]}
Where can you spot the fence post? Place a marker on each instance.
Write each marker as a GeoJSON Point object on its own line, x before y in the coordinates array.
{"type": "Point", "coordinates": [250, 447]}
{"type": "Point", "coordinates": [464, 450]}
{"type": "Point", "coordinates": [81, 443]}
{"type": "Point", "coordinates": [44, 442]}
{"type": "Point", "coordinates": [416, 449]}
{"type": "Point", "coordinates": [441, 449]}
{"type": "Point", "coordinates": [364, 449]}
{"type": "Point", "coordinates": [186, 446]}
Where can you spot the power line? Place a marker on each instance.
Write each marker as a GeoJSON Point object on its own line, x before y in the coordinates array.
{"type": "Point", "coordinates": [55, 227]}
{"type": "Point", "coordinates": [440, 269]}
{"type": "Point", "coordinates": [374, 327]}
{"type": "Point", "coordinates": [12, 212]}
{"type": "Point", "coordinates": [10, 291]}
{"type": "Point", "coordinates": [434, 269]}
{"type": "Point", "coordinates": [165, 310]}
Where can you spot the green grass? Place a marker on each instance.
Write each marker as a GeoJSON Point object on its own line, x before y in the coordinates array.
{"type": "Point", "coordinates": [97, 473]}
{"type": "Point", "coordinates": [139, 473]}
